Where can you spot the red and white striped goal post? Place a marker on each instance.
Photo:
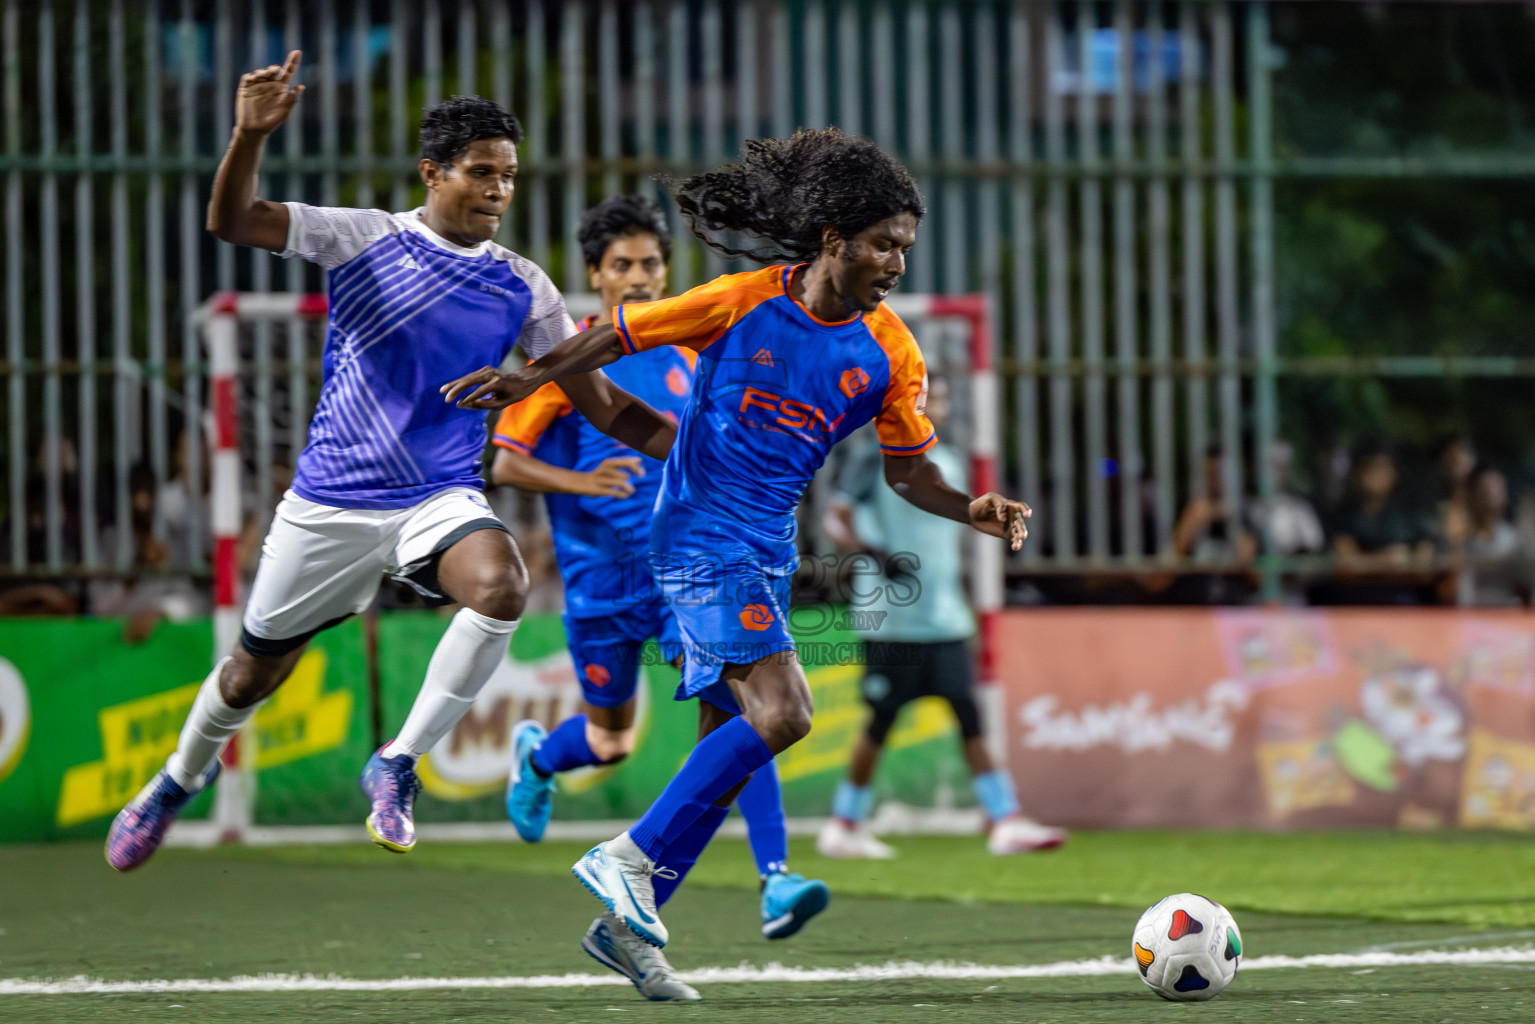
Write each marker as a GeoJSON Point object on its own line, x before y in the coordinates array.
{"type": "Point", "coordinates": [219, 317]}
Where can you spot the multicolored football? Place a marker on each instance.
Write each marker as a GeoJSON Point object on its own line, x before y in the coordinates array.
{"type": "Point", "coordinates": [1187, 947]}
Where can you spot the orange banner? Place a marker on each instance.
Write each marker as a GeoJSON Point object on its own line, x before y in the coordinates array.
{"type": "Point", "coordinates": [1271, 718]}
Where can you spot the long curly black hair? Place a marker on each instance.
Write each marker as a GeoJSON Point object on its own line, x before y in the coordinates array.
{"type": "Point", "coordinates": [784, 191]}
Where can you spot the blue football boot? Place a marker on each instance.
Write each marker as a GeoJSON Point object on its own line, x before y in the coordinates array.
{"type": "Point", "coordinates": [788, 901]}
{"type": "Point", "coordinates": [527, 792]}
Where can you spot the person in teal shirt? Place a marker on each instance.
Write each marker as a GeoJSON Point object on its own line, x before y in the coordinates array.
{"type": "Point", "coordinates": [917, 626]}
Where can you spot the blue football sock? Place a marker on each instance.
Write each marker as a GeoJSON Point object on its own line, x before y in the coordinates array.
{"type": "Point", "coordinates": [719, 761]}
{"type": "Point", "coordinates": [995, 790]}
{"type": "Point", "coordinates": [564, 748]}
{"type": "Point", "coordinates": [852, 803]}
{"type": "Point", "coordinates": [761, 805]}
{"type": "Point", "coordinates": [674, 862]}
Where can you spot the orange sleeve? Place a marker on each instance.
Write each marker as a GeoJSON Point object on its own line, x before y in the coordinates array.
{"type": "Point", "coordinates": [521, 425]}
{"type": "Point", "coordinates": [902, 423]}
{"type": "Point", "coordinates": [696, 318]}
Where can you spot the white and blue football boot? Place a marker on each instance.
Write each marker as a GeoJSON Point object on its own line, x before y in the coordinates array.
{"type": "Point", "coordinates": [618, 873]}
{"type": "Point", "coordinates": [527, 792]}
{"type": "Point", "coordinates": [788, 901]}
{"type": "Point", "coordinates": [611, 944]}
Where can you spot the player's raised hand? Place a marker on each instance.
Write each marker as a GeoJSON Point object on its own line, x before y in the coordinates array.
{"type": "Point", "coordinates": [488, 388]}
{"type": "Point", "coordinates": [611, 479]}
{"type": "Point", "coordinates": [1001, 517]}
{"type": "Point", "coordinates": [267, 96]}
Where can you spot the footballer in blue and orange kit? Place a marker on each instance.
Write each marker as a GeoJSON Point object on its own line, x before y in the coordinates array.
{"type": "Point", "coordinates": [792, 358]}
{"type": "Point", "coordinates": [601, 498]}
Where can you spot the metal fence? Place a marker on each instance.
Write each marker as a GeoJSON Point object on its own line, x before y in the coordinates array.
{"type": "Point", "coordinates": [1104, 172]}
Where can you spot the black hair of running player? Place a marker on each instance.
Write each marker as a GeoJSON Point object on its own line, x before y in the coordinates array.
{"type": "Point", "coordinates": [620, 217]}
{"type": "Point", "coordinates": [449, 127]}
{"type": "Point", "coordinates": [785, 191]}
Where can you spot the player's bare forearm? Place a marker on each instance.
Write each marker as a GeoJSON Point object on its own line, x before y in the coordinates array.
{"type": "Point", "coordinates": [513, 469]}
{"type": "Point", "coordinates": [488, 388]}
{"type": "Point", "coordinates": [619, 414]}
{"type": "Point", "coordinates": [918, 480]}
{"type": "Point", "coordinates": [235, 214]}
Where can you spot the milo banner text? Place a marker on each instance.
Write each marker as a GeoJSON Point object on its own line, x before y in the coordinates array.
{"type": "Point", "coordinates": [1257, 718]}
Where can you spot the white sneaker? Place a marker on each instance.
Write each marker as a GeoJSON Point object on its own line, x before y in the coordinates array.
{"type": "Point", "coordinates": [618, 873]}
{"type": "Point", "coordinates": [1021, 835]}
{"type": "Point", "coordinates": [841, 841]}
{"type": "Point", "coordinates": [611, 944]}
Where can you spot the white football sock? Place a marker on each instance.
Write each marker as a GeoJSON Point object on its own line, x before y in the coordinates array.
{"type": "Point", "coordinates": [209, 725]}
{"type": "Point", "coordinates": [464, 659]}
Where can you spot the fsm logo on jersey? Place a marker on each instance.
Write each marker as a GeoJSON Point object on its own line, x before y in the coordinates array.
{"type": "Point", "coordinates": [15, 718]}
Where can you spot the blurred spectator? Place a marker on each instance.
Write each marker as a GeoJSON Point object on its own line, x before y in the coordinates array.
{"type": "Point", "coordinates": [1456, 459]}
{"type": "Point", "coordinates": [188, 534]}
{"type": "Point", "coordinates": [152, 592]}
{"type": "Point", "coordinates": [1203, 535]}
{"type": "Point", "coordinates": [1286, 523]}
{"type": "Point", "coordinates": [1489, 546]}
{"type": "Point", "coordinates": [1374, 529]}
{"type": "Point", "coordinates": [31, 595]}
{"type": "Point", "coordinates": [1383, 554]}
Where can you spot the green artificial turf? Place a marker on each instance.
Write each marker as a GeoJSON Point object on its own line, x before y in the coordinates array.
{"type": "Point", "coordinates": [454, 911]}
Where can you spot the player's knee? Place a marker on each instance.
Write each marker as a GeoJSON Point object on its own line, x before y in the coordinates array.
{"type": "Point", "coordinates": [247, 679]}
{"type": "Point", "coordinates": [499, 592]}
{"type": "Point", "coordinates": [792, 719]}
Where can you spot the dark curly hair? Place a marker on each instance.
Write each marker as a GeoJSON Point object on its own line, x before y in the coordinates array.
{"type": "Point", "coordinates": [784, 191]}
{"type": "Point", "coordinates": [617, 218]}
{"type": "Point", "coordinates": [448, 128]}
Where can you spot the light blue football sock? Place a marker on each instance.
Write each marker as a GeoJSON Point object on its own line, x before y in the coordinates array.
{"type": "Point", "coordinates": [852, 803]}
{"type": "Point", "coordinates": [996, 793]}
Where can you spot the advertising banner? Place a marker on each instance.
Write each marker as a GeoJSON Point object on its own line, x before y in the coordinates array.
{"type": "Point", "coordinates": [1272, 718]}
{"type": "Point", "coordinates": [464, 778]}
{"type": "Point", "coordinates": [86, 720]}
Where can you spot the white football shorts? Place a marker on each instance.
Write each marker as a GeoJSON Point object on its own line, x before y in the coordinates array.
{"type": "Point", "coordinates": [320, 564]}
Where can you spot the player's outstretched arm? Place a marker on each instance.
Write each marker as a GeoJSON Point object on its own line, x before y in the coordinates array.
{"type": "Point", "coordinates": [609, 480]}
{"type": "Point", "coordinates": [917, 479]}
{"type": "Point", "coordinates": [619, 414]}
{"type": "Point", "coordinates": [235, 214]}
{"type": "Point", "coordinates": [489, 388]}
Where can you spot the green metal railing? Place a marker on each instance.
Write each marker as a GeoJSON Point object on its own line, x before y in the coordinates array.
{"type": "Point", "coordinates": [1105, 172]}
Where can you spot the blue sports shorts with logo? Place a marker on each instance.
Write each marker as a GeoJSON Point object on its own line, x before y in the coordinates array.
{"type": "Point", "coordinates": [729, 613]}
{"type": "Point", "coordinates": [609, 649]}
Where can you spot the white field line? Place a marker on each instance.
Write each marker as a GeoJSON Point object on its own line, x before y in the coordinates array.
{"type": "Point", "coordinates": [774, 972]}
